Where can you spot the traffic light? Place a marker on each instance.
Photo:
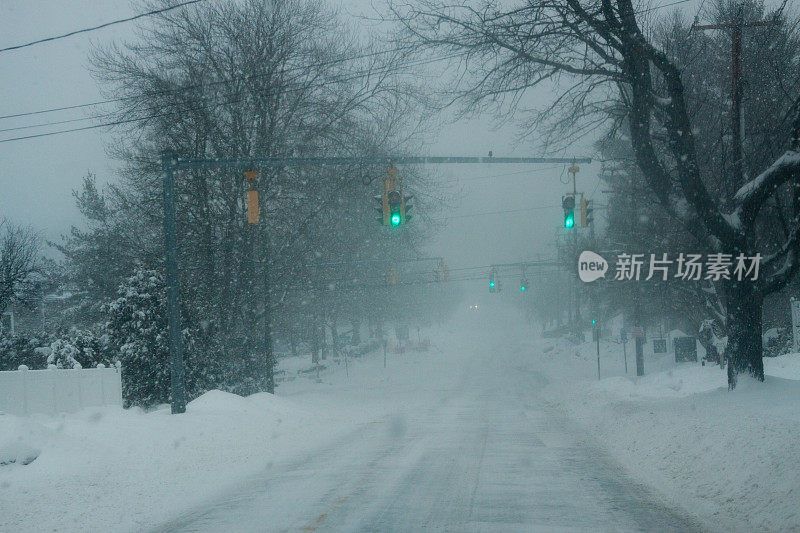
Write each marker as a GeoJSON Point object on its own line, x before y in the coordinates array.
{"type": "Point", "coordinates": [383, 209]}
{"type": "Point", "coordinates": [252, 197]}
{"type": "Point", "coordinates": [405, 206]}
{"type": "Point", "coordinates": [568, 204]}
{"type": "Point", "coordinates": [391, 276]}
{"type": "Point", "coordinates": [394, 206]}
{"type": "Point", "coordinates": [442, 271]}
{"type": "Point", "coordinates": [493, 280]}
{"type": "Point", "coordinates": [587, 215]}
{"type": "Point", "coordinates": [523, 285]}
{"type": "Point", "coordinates": [395, 199]}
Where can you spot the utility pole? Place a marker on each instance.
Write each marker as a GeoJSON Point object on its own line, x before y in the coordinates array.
{"type": "Point", "coordinates": [737, 112]}
{"type": "Point", "coordinates": [625, 353]}
{"type": "Point", "coordinates": [177, 372]}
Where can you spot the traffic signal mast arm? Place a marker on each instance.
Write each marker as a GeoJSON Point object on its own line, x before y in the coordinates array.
{"type": "Point", "coordinates": [258, 162]}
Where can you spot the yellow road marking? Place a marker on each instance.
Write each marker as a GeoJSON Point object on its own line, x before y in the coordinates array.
{"type": "Point", "coordinates": [339, 501]}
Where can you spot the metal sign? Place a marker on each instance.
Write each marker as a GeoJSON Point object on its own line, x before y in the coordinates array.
{"type": "Point", "coordinates": [659, 345]}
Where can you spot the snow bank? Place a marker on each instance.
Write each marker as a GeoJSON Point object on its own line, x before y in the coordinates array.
{"type": "Point", "coordinates": [784, 366]}
{"type": "Point", "coordinates": [109, 469]}
{"type": "Point", "coordinates": [682, 381]}
{"type": "Point", "coordinates": [728, 458]}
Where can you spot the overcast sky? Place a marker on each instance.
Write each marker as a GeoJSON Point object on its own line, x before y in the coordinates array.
{"type": "Point", "coordinates": [37, 176]}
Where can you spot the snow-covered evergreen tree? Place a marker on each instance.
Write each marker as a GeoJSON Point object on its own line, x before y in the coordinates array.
{"type": "Point", "coordinates": [137, 331]}
{"type": "Point", "coordinates": [138, 327]}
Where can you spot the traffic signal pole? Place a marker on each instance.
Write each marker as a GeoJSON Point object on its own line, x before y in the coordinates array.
{"type": "Point", "coordinates": [575, 285]}
{"type": "Point", "coordinates": [177, 371]}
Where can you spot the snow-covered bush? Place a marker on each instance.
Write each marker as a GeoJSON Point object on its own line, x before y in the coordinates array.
{"type": "Point", "coordinates": [62, 354]}
{"type": "Point", "coordinates": [776, 341]}
{"type": "Point", "coordinates": [712, 339]}
{"type": "Point", "coordinates": [79, 348]}
{"type": "Point", "coordinates": [23, 349]}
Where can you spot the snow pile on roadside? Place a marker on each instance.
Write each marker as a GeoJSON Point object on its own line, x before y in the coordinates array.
{"type": "Point", "coordinates": [674, 383]}
{"type": "Point", "coordinates": [129, 470]}
{"type": "Point", "coordinates": [21, 440]}
{"type": "Point", "coordinates": [729, 458]}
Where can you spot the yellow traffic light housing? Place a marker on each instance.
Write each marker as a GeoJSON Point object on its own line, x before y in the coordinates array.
{"type": "Point", "coordinates": [252, 198]}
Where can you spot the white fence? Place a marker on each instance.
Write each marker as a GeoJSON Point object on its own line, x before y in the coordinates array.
{"type": "Point", "coordinates": [52, 391]}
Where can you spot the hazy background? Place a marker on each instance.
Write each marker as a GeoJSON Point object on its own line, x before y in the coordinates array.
{"type": "Point", "coordinates": [37, 176]}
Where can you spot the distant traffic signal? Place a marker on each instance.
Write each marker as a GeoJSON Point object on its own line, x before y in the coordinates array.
{"type": "Point", "coordinates": [587, 214]}
{"type": "Point", "coordinates": [493, 281]}
{"type": "Point", "coordinates": [568, 204]}
{"type": "Point", "coordinates": [523, 285]}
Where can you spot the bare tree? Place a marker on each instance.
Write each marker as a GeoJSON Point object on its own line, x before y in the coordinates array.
{"type": "Point", "coordinates": [19, 264]}
{"type": "Point", "coordinates": [600, 54]}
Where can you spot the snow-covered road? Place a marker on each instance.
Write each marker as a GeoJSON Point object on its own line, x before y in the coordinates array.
{"type": "Point", "coordinates": [462, 441]}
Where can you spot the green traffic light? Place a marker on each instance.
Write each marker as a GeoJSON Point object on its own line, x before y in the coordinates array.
{"type": "Point", "coordinates": [491, 283]}
{"type": "Point", "coordinates": [569, 219]}
{"type": "Point", "coordinates": [594, 321]}
{"type": "Point", "coordinates": [395, 220]}
{"type": "Point", "coordinates": [522, 288]}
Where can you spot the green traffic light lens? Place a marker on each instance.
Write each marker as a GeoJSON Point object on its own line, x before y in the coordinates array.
{"type": "Point", "coordinates": [491, 283]}
{"type": "Point", "coordinates": [569, 221]}
{"type": "Point", "coordinates": [522, 288]}
{"type": "Point", "coordinates": [395, 219]}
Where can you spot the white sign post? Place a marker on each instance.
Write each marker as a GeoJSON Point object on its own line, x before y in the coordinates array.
{"type": "Point", "coordinates": [795, 304]}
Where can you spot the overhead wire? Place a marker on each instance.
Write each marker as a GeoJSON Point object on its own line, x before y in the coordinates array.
{"type": "Point", "coordinates": [363, 74]}
{"type": "Point", "coordinates": [190, 87]}
{"type": "Point", "coordinates": [100, 26]}
{"type": "Point", "coordinates": [122, 99]}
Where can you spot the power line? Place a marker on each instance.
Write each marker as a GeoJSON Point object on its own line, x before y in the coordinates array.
{"type": "Point", "coordinates": [197, 108]}
{"type": "Point", "coordinates": [203, 84]}
{"type": "Point", "coordinates": [105, 25]}
{"type": "Point", "coordinates": [167, 91]}
{"type": "Point", "coordinates": [181, 89]}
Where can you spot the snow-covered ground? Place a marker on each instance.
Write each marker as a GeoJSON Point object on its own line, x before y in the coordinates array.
{"type": "Point", "coordinates": [111, 469]}
{"type": "Point", "coordinates": [728, 458]}
{"type": "Point", "coordinates": [115, 470]}
{"type": "Point", "coordinates": [477, 417]}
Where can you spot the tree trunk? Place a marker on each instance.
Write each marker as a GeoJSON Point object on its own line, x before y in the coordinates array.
{"type": "Point", "coordinates": [744, 351]}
